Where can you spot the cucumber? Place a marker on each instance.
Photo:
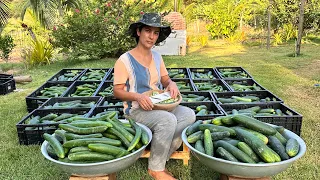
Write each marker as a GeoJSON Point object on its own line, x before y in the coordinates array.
{"type": "Point", "coordinates": [219, 135]}
{"type": "Point", "coordinates": [111, 136]}
{"type": "Point", "coordinates": [199, 108]}
{"type": "Point", "coordinates": [254, 124]}
{"type": "Point", "coordinates": [233, 142]}
{"type": "Point", "coordinates": [77, 130]}
{"type": "Point", "coordinates": [242, 99]}
{"type": "Point", "coordinates": [259, 135]}
{"type": "Point", "coordinates": [144, 137]}
{"type": "Point", "coordinates": [292, 147]}
{"type": "Point", "coordinates": [269, 110]}
{"type": "Point", "coordinates": [195, 137]}
{"type": "Point", "coordinates": [217, 121]}
{"type": "Point", "coordinates": [123, 131]}
{"type": "Point", "coordinates": [55, 144]}
{"type": "Point", "coordinates": [85, 142]}
{"type": "Point", "coordinates": [257, 145]}
{"type": "Point", "coordinates": [71, 136]}
{"type": "Point", "coordinates": [137, 136]}
{"type": "Point", "coordinates": [51, 151]}
{"type": "Point", "coordinates": [61, 134]}
{"type": "Point", "coordinates": [202, 112]}
{"type": "Point", "coordinates": [123, 139]}
{"type": "Point", "coordinates": [106, 149]}
{"type": "Point", "coordinates": [243, 157]}
{"type": "Point", "coordinates": [85, 124]}
{"type": "Point", "coordinates": [227, 120]}
{"type": "Point", "coordinates": [226, 155]}
{"type": "Point", "coordinates": [227, 100]}
{"type": "Point", "coordinates": [79, 149]}
{"type": "Point", "coordinates": [50, 116]}
{"type": "Point", "coordinates": [193, 127]}
{"type": "Point", "coordinates": [278, 147]}
{"type": "Point", "coordinates": [89, 156]}
{"type": "Point", "coordinates": [199, 146]}
{"type": "Point", "coordinates": [214, 128]}
{"type": "Point", "coordinates": [247, 149]}
{"type": "Point", "coordinates": [282, 139]}
{"type": "Point", "coordinates": [208, 145]}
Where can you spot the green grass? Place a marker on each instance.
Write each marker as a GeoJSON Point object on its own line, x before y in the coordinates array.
{"type": "Point", "coordinates": [291, 79]}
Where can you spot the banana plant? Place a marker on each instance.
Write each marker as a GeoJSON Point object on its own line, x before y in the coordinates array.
{"type": "Point", "coordinates": [4, 12]}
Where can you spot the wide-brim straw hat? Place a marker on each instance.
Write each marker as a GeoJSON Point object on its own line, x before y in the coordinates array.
{"type": "Point", "coordinates": [153, 20]}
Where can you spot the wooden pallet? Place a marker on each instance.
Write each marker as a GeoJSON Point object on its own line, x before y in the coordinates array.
{"type": "Point", "coordinates": [112, 176]}
{"type": "Point", "coordinates": [226, 177]}
{"type": "Point", "coordinates": [184, 154]}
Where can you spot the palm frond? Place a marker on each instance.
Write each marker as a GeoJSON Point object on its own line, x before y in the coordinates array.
{"type": "Point", "coordinates": [4, 12]}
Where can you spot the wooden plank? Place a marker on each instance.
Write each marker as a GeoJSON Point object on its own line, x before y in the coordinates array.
{"type": "Point", "coordinates": [226, 177]}
{"type": "Point", "coordinates": [112, 176]}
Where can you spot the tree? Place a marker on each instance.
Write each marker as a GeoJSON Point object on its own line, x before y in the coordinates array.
{"type": "Point", "coordinates": [300, 27]}
{"type": "Point", "coordinates": [269, 25]}
{"type": "Point", "coordinates": [4, 12]}
{"type": "Point", "coordinates": [47, 11]}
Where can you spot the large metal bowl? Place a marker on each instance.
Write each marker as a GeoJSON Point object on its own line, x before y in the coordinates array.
{"type": "Point", "coordinates": [239, 169]}
{"type": "Point", "coordinates": [99, 168]}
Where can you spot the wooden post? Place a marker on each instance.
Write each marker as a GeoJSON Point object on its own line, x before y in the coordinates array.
{"type": "Point", "coordinates": [112, 176]}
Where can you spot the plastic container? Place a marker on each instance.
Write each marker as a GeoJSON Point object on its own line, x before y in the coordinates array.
{"type": "Point", "coordinates": [225, 87]}
{"type": "Point", "coordinates": [260, 94]}
{"type": "Point", "coordinates": [208, 95]}
{"type": "Point", "coordinates": [174, 73]}
{"type": "Point", "coordinates": [32, 133]}
{"type": "Point", "coordinates": [292, 123]}
{"type": "Point", "coordinates": [193, 73]}
{"type": "Point", "coordinates": [7, 85]}
{"type": "Point", "coordinates": [246, 82]}
{"type": "Point", "coordinates": [106, 73]}
{"type": "Point", "coordinates": [33, 102]}
{"type": "Point", "coordinates": [74, 85]}
{"type": "Point", "coordinates": [235, 68]}
{"type": "Point", "coordinates": [79, 71]}
{"type": "Point", "coordinates": [84, 100]}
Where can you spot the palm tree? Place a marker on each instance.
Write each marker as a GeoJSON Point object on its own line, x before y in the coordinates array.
{"type": "Point", "coordinates": [4, 12]}
{"type": "Point", "coordinates": [48, 11]}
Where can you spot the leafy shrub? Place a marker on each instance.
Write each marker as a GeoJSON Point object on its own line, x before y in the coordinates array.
{"type": "Point", "coordinates": [203, 39]}
{"type": "Point", "coordinates": [6, 46]}
{"type": "Point", "coordinates": [40, 52]}
{"type": "Point", "coordinates": [277, 39]}
{"type": "Point", "coordinates": [101, 31]}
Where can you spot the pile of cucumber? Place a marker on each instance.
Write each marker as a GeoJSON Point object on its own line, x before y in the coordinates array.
{"type": "Point", "coordinates": [257, 111]}
{"type": "Point", "coordinates": [67, 76]}
{"type": "Point", "coordinates": [232, 73]}
{"type": "Point", "coordinates": [240, 138]}
{"type": "Point", "coordinates": [53, 91]}
{"type": "Point", "coordinates": [51, 118]}
{"type": "Point", "coordinates": [203, 110]}
{"type": "Point", "coordinates": [85, 90]}
{"type": "Point", "coordinates": [241, 87]}
{"type": "Point", "coordinates": [194, 98]}
{"type": "Point", "coordinates": [93, 75]}
{"type": "Point", "coordinates": [90, 140]}
{"type": "Point", "coordinates": [106, 103]}
{"type": "Point", "coordinates": [207, 86]}
{"type": "Point", "coordinates": [107, 92]}
{"type": "Point", "coordinates": [70, 104]}
{"type": "Point", "coordinates": [245, 99]}
{"type": "Point", "coordinates": [177, 73]}
{"type": "Point", "coordinates": [183, 86]}
{"type": "Point", "coordinates": [202, 75]}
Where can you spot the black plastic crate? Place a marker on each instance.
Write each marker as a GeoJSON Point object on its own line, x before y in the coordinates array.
{"type": "Point", "coordinates": [184, 82]}
{"type": "Point", "coordinates": [110, 75]}
{"type": "Point", "coordinates": [7, 85]}
{"type": "Point", "coordinates": [194, 76]}
{"type": "Point", "coordinates": [110, 108]}
{"type": "Point", "coordinates": [211, 107]}
{"type": "Point", "coordinates": [260, 94]}
{"type": "Point", "coordinates": [84, 100]}
{"type": "Point", "coordinates": [74, 85]}
{"type": "Point", "coordinates": [106, 73]}
{"type": "Point", "coordinates": [102, 87]}
{"type": "Point", "coordinates": [6, 76]}
{"type": "Point", "coordinates": [235, 68]}
{"type": "Point", "coordinates": [33, 133]}
{"type": "Point", "coordinates": [79, 71]}
{"type": "Point", "coordinates": [246, 82]}
{"type": "Point", "coordinates": [292, 123]}
{"type": "Point", "coordinates": [204, 94]}
{"type": "Point", "coordinates": [110, 99]}
{"type": "Point", "coordinates": [33, 102]}
{"type": "Point", "coordinates": [215, 81]}
{"type": "Point", "coordinates": [174, 73]}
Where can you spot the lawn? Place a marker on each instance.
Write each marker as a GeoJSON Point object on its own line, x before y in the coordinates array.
{"type": "Point", "coordinates": [291, 79]}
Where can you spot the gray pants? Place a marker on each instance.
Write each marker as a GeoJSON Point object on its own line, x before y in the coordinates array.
{"type": "Point", "coordinates": [166, 130]}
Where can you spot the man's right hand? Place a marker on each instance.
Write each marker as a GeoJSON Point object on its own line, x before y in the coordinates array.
{"type": "Point", "coordinates": [144, 102]}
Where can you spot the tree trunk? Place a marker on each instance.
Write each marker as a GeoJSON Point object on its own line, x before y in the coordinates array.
{"type": "Point", "coordinates": [269, 26]}
{"type": "Point", "coordinates": [22, 79]}
{"type": "Point", "coordinates": [300, 28]}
